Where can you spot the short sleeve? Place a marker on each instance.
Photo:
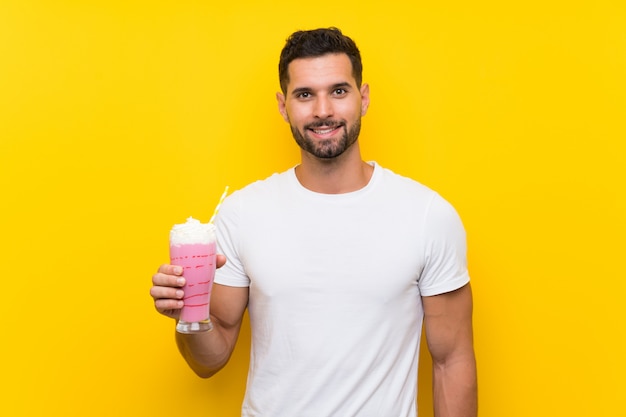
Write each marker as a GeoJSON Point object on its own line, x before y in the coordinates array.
{"type": "Point", "coordinates": [445, 257]}
{"type": "Point", "coordinates": [227, 231]}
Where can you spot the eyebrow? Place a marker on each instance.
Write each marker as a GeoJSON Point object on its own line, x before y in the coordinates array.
{"type": "Point", "coordinates": [300, 90]}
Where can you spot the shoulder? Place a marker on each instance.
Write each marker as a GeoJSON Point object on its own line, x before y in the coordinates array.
{"type": "Point", "coordinates": [392, 179]}
{"type": "Point", "coordinates": [260, 188]}
{"type": "Point", "coordinates": [405, 189]}
{"type": "Point", "coordinates": [257, 196]}
{"type": "Point", "coordinates": [264, 185]}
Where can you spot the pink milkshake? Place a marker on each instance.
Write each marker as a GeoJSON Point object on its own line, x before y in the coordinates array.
{"type": "Point", "coordinates": [192, 246]}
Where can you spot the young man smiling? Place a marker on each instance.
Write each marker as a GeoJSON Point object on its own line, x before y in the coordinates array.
{"type": "Point", "coordinates": [339, 262]}
{"type": "Point", "coordinates": [323, 103]}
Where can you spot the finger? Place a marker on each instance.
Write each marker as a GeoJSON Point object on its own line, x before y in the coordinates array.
{"type": "Point", "coordinates": [166, 293]}
{"type": "Point", "coordinates": [170, 269]}
{"type": "Point", "coordinates": [220, 260]}
{"type": "Point", "coordinates": [169, 307]}
{"type": "Point", "coordinates": [164, 280]}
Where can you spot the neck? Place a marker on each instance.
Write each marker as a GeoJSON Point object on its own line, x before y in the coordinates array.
{"type": "Point", "coordinates": [343, 174]}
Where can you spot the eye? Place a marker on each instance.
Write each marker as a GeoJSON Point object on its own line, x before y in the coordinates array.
{"type": "Point", "coordinates": [340, 91]}
{"type": "Point", "coordinates": [303, 95]}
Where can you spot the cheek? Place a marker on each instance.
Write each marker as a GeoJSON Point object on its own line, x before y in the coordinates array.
{"type": "Point", "coordinates": [295, 115]}
{"type": "Point", "coordinates": [350, 111]}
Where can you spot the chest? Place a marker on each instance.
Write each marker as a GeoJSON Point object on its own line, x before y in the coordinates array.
{"type": "Point", "coordinates": [350, 255]}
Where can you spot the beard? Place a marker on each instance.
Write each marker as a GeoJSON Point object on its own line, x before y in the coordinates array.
{"type": "Point", "coordinates": [327, 148]}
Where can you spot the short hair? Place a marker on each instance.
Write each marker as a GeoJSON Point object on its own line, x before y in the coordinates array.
{"type": "Point", "coordinates": [315, 43]}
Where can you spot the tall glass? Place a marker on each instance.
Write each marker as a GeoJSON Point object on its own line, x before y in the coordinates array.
{"type": "Point", "coordinates": [192, 246]}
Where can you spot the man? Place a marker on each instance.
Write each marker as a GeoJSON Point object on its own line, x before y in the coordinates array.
{"type": "Point", "coordinates": [339, 263]}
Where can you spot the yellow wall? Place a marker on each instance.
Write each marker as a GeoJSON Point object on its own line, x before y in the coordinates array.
{"type": "Point", "coordinates": [119, 118]}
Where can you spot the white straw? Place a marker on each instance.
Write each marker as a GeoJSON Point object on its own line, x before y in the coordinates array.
{"type": "Point", "coordinates": [219, 204]}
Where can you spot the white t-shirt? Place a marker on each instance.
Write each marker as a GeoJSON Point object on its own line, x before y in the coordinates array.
{"type": "Point", "coordinates": [335, 290]}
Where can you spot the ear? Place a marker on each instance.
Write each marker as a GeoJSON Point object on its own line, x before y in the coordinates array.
{"type": "Point", "coordinates": [365, 98]}
{"type": "Point", "coordinates": [280, 97]}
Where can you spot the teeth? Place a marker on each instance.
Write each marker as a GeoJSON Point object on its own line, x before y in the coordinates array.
{"type": "Point", "coordinates": [322, 132]}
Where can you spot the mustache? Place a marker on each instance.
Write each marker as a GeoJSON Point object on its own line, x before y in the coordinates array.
{"type": "Point", "coordinates": [333, 124]}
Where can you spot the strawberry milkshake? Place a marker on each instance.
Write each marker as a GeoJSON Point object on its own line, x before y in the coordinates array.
{"type": "Point", "coordinates": [192, 246]}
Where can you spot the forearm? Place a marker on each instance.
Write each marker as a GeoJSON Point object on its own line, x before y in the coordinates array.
{"type": "Point", "coordinates": [206, 353]}
{"type": "Point", "coordinates": [455, 387]}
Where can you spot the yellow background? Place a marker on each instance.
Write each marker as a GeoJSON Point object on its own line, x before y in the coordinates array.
{"type": "Point", "coordinates": [120, 118]}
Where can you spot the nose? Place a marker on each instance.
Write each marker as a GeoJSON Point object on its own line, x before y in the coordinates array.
{"type": "Point", "coordinates": [323, 107]}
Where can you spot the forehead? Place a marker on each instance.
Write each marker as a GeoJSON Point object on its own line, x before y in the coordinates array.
{"type": "Point", "coordinates": [320, 71]}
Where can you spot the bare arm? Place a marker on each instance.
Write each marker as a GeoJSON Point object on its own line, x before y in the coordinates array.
{"type": "Point", "coordinates": [448, 324]}
{"type": "Point", "coordinates": [206, 353]}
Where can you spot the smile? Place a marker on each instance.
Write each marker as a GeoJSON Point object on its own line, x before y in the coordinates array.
{"type": "Point", "coordinates": [323, 131]}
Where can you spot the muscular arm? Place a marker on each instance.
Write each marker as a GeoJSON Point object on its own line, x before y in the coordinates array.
{"type": "Point", "coordinates": [448, 324]}
{"type": "Point", "coordinates": [207, 353]}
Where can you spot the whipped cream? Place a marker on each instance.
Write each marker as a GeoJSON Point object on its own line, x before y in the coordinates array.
{"type": "Point", "coordinates": [192, 232]}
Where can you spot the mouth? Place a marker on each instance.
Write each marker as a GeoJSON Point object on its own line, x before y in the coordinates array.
{"type": "Point", "coordinates": [324, 129]}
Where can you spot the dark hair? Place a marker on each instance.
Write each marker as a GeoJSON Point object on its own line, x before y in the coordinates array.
{"type": "Point", "coordinates": [315, 43]}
